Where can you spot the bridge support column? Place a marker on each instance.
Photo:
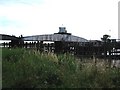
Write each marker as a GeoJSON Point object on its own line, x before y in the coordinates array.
{"type": "Point", "coordinates": [26, 45]}
{"type": "Point", "coordinates": [17, 43]}
{"type": "Point", "coordinates": [58, 47]}
{"type": "Point", "coordinates": [14, 43]}
{"type": "Point", "coordinates": [9, 44]}
{"type": "Point", "coordinates": [37, 45]}
{"type": "Point", "coordinates": [4, 44]}
{"type": "Point", "coordinates": [41, 46]}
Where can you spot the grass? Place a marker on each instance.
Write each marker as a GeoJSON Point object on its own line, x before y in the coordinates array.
{"type": "Point", "coordinates": [32, 69]}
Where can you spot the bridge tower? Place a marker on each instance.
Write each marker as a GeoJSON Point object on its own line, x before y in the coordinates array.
{"type": "Point", "coordinates": [62, 30]}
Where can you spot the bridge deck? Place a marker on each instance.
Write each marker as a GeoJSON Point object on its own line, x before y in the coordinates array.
{"type": "Point", "coordinates": [8, 37]}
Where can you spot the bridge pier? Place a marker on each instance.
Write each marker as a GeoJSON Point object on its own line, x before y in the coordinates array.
{"type": "Point", "coordinates": [58, 46]}
{"type": "Point", "coordinates": [41, 46]}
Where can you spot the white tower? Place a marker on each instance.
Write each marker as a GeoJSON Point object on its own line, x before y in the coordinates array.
{"type": "Point", "coordinates": [62, 29]}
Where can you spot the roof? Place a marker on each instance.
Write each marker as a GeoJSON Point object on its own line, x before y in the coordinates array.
{"type": "Point", "coordinates": [55, 37]}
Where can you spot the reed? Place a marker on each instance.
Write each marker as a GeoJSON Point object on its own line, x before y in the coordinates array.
{"type": "Point", "coordinates": [23, 68]}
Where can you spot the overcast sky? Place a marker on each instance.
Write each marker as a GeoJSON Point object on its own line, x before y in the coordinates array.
{"type": "Point", "coordinates": [89, 19]}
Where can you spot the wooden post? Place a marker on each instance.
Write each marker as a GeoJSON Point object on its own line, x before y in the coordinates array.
{"type": "Point", "coordinates": [58, 47]}
{"type": "Point", "coordinates": [37, 45]}
{"type": "Point", "coordinates": [48, 47]}
{"type": "Point", "coordinates": [4, 44]}
{"type": "Point", "coordinates": [26, 45]}
{"type": "Point", "coordinates": [41, 46]}
{"type": "Point", "coordinates": [30, 44]}
{"type": "Point", "coordinates": [10, 45]}
{"type": "Point", "coordinates": [34, 44]}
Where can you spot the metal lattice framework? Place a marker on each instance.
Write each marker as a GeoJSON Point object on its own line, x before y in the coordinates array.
{"type": "Point", "coordinates": [55, 37]}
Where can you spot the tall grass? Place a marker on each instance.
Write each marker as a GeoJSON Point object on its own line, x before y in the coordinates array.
{"type": "Point", "coordinates": [32, 69]}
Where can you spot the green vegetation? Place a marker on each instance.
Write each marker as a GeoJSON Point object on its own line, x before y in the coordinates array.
{"type": "Point", "coordinates": [31, 69]}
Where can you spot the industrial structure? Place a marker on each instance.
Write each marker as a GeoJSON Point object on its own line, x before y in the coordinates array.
{"type": "Point", "coordinates": [64, 42]}
{"type": "Point", "coordinates": [62, 35]}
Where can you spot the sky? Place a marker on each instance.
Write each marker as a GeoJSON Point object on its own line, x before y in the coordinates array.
{"type": "Point", "coordinates": [90, 19]}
